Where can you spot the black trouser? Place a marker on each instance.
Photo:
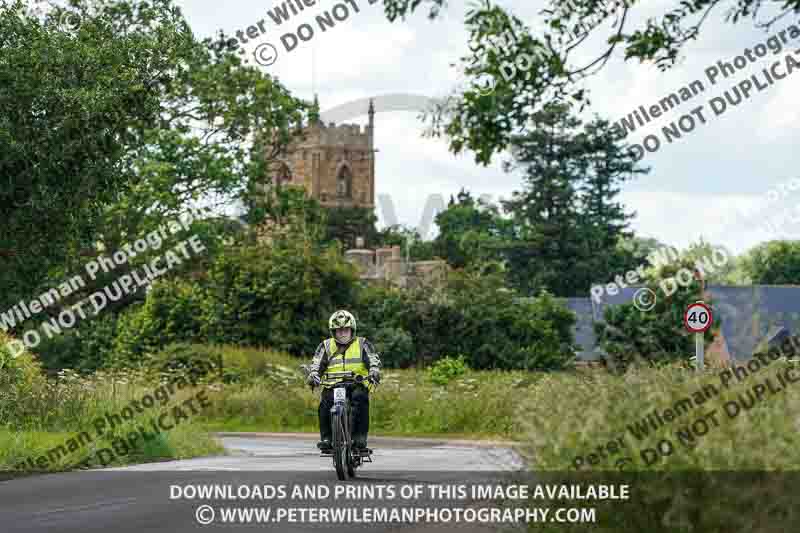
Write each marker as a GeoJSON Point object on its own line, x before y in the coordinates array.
{"type": "Point", "coordinates": [359, 403]}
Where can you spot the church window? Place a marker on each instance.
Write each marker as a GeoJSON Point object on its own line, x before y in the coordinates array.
{"type": "Point", "coordinates": [344, 183]}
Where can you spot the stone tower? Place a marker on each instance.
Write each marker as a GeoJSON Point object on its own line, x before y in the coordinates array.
{"type": "Point", "coordinates": [334, 164]}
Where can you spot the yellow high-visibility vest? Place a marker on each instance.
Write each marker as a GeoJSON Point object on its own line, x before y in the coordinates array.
{"type": "Point", "coordinates": [350, 361]}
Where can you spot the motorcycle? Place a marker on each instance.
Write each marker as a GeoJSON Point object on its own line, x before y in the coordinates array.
{"type": "Point", "coordinates": [345, 458]}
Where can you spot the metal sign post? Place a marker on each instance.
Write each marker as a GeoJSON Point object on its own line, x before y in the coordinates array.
{"type": "Point", "coordinates": [698, 350]}
{"type": "Point", "coordinates": [698, 320]}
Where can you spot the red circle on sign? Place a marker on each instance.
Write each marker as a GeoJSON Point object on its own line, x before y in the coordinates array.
{"type": "Point", "coordinates": [704, 327]}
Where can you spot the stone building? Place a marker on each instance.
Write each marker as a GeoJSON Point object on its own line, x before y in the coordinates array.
{"type": "Point", "coordinates": [334, 164]}
{"type": "Point", "coordinates": [385, 265]}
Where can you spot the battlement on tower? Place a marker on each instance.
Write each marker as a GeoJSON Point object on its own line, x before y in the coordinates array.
{"type": "Point", "coordinates": [335, 164]}
{"type": "Point", "coordinates": [337, 135]}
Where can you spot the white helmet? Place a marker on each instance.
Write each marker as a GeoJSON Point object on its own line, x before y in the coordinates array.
{"type": "Point", "coordinates": [342, 319]}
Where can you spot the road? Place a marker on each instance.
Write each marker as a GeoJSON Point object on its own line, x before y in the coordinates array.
{"type": "Point", "coordinates": [153, 497]}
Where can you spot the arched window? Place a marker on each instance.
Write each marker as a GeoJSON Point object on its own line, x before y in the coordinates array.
{"type": "Point", "coordinates": [344, 183]}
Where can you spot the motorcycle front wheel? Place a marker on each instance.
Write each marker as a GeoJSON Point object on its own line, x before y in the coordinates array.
{"type": "Point", "coordinates": [340, 452]}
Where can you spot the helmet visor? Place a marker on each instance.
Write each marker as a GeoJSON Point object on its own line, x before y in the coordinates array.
{"type": "Point", "coordinates": [343, 334]}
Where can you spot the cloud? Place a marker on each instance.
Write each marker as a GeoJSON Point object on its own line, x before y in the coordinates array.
{"type": "Point", "coordinates": [736, 221]}
{"type": "Point", "coordinates": [695, 183]}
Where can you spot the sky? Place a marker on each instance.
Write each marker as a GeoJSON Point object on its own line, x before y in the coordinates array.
{"type": "Point", "coordinates": [720, 181]}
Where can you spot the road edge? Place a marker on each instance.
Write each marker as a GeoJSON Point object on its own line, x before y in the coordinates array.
{"type": "Point", "coordinates": [376, 439]}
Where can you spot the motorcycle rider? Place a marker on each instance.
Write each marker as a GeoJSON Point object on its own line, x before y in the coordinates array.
{"type": "Point", "coordinates": [343, 352]}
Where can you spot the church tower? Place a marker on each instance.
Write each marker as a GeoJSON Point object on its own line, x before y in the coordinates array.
{"type": "Point", "coordinates": [334, 164]}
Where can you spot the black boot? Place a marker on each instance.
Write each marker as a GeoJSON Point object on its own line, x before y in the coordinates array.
{"type": "Point", "coordinates": [360, 443]}
{"type": "Point", "coordinates": [325, 446]}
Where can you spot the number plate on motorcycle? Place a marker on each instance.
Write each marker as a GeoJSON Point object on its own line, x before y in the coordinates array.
{"type": "Point", "coordinates": [339, 394]}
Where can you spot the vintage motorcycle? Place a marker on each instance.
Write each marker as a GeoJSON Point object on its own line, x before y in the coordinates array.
{"type": "Point", "coordinates": [345, 458]}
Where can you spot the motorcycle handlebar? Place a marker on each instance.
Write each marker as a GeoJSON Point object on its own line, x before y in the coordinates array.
{"type": "Point", "coordinates": [350, 377]}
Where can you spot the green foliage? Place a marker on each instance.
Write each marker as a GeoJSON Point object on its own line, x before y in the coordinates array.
{"type": "Point", "coordinates": [246, 365]}
{"type": "Point", "coordinates": [560, 57]}
{"type": "Point", "coordinates": [384, 316]}
{"type": "Point", "coordinates": [21, 381]}
{"type": "Point", "coordinates": [629, 335]}
{"type": "Point", "coordinates": [111, 128]}
{"type": "Point", "coordinates": [404, 8]}
{"type": "Point", "coordinates": [291, 210]}
{"type": "Point", "coordinates": [565, 230]}
{"type": "Point", "coordinates": [379, 306]}
{"type": "Point", "coordinates": [481, 404]}
{"type": "Point", "coordinates": [280, 296]}
{"type": "Point", "coordinates": [567, 220]}
{"type": "Point", "coordinates": [396, 347]}
{"type": "Point", "coordinates": [470, 231]}
{"type": "Point", "coordinates": [411, 243]}
{"type": "Point", "coordinates": [444, 370]}
{"type": "Point", "coordinates": [18, 369]}
{"type": "Point", "coordinates": [277, 296]}
{"type": "Point", "coordinates": [191, 360]}
{"type": "Point", "coordinates": [477, 316]}
{"type": "Point", "coordinates": [560, 427]}
{"type": "Point", "coordinates": [46, 416]}
{"type": "Point", "coordinates": [173, 311]}
{"type": "Point", "coordinates": [345, 224]}
{"type": "Point", "coordinates": [473, 314]}
{"type": "Point", "coordinates": [640, 247]}
{"type": "Point", "coordinates": [717, 482]}
{"type": "Point", "coordinates": [718, 264]}
{"type": "Point", "coordinates": [86, 347]}
{"type": "Point", "coordinates": [773, 263]}
{"type": "Point", "coordinates": [65, 123]}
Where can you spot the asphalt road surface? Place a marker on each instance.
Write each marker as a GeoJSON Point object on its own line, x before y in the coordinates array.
{"type": "Point", "coordinates": [165, 497]}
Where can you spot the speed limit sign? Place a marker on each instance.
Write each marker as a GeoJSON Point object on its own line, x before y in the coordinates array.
{"type": "Point", "coordinates": [697, 318]}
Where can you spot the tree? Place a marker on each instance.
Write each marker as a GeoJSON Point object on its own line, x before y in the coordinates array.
{"type": "Point", "coordinates": [567, 224]}
{"type": "Point", "coordinates": [486, 124]}
{"type": "Point", "coordinates": [773, 263]}
{"type": "Point", "coordinates": [409, 240]}
{"type": "Point", "coordinates": [345, 224]}
{"type": "Point", "coordinates": [470, 231]}
{"type": "Point", "coordinates": [639, 246]}
{"type": "Point", "coordinates": [627, 334]}
{"type": "Point", "coordinates": [717, 263]}
{"type": "Point", "coordinates": [480, 317]}
{"type": "Point", "coordinates": [65, 123]}
{"type": "Point", "coordinates": [110, 128]}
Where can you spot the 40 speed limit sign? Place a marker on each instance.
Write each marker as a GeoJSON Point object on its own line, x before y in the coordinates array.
{"type": "Point", "coordinates": [698, 317]}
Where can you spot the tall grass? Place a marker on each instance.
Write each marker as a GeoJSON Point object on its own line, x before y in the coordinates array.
{"type": "Point", "coordinates": [571, 415]}
{"type": "Point", "coordinates": [407, 402]}
{"type": "Point", "coordinates": [37, 419]}
{"type": "Point", "coordinates": [738, 474]}
{"type": "Point", "coordinates": [263, 391]}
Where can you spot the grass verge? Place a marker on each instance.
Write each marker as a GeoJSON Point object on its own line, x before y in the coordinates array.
{"type": "Point", "coordinates": [102, 420]}
{"type": "Point", "coordinates": [714, 452]}
{"type": "Point", "coordinates": [51, 425]}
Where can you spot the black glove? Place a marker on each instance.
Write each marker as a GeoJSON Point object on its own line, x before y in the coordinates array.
{"type": "Point", "coordinates": [375, 375]}
{"type": "Point", "coordinates": [313, 379]}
